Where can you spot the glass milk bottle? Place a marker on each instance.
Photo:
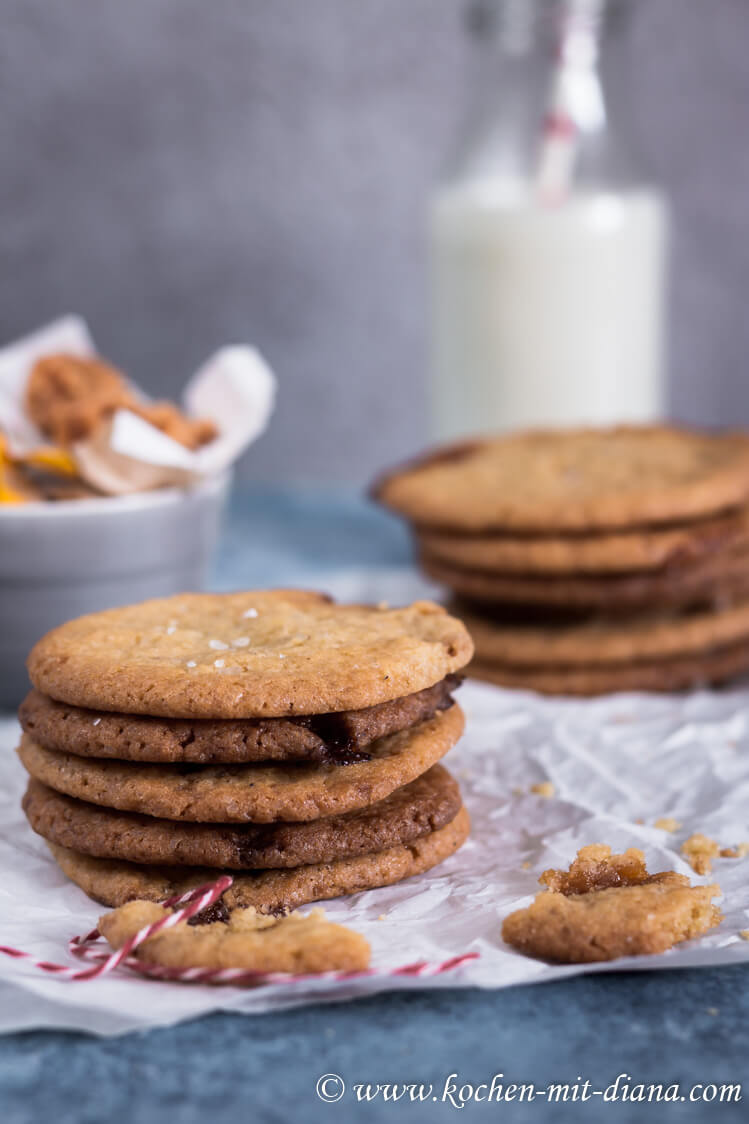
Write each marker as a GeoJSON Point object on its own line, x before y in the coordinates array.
{"type": "Point", "coordinates": [547, 243]}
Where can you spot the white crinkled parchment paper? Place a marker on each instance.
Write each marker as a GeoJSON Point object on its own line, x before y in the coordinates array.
{"type": "Point", "coordinates": [612, 762]}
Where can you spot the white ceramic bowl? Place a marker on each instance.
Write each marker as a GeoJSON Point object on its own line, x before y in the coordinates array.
{"type": "Point", "coordinates": [59, 560]}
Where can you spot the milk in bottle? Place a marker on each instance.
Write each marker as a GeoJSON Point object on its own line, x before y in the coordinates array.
{"type": "Point", "coordinates": [545, 309]}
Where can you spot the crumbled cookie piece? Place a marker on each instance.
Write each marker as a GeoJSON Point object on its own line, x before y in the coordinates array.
{"type": "Point", "coordinates": [248, 940]}
{"type": "Point", "coordinates": [699, 851]}
{"type": "Point", "coordinates": [667, 823]}
{"type": "Point", "coordinates": [737, 852]}
{"type": "Point", "coordinates": [606, 906]}
{"type": "Point", "coordinates": [68, 397]}
{"type": "Point", "coordinates": [544, 788]}
{"type": "Point", "coordinates": [744, 934]}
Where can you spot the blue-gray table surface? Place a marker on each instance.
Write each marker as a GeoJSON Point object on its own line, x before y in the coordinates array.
{"type": "Point", "coordinates": [689, 1027]}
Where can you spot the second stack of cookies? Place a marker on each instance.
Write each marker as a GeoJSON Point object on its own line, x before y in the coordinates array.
{"type": "Point", "coordinates": [588, 561]}
{"type": "Point", "coordinates": [276, 736]}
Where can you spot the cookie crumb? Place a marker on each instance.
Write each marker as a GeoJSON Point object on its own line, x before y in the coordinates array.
{"type": "Point", "coordinates": [544, 788]}
{"type": "Point", "coordinates": [667, 823]}
{"type": "Point", "coordinates": [744, 934]}
{"type": "Point", "coordinates": [606, 906]}
{"type": "Point", "coordinates": [699, 850]}
{"type": "Point", "coordinates": [525, 865]}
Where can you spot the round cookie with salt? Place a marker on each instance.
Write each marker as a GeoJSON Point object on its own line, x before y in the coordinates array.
{"type": "Point", "coordinates": [424, 805]}
{"type": "Point", "coordinates": [541, 481]}
{"type": "Point", "coordinates": [676, 674]}
{"type": "Point", "coordinates": [114, 882]}
{"type": "Point", "coordinates": [262, 654]}
{"type": "Point", "coordinates": [602, 640]}
{"type": "Point", "coordinates": [645, 548]}
{"type": "Point", "coordinates": [248, 793]}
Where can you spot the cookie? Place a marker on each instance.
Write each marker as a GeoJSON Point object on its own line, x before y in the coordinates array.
{"type": "Point", "coordinates": [602, 640]}
{"type": "Point", "coordinates": [247, 940]}
{"type": "Point", "coordinates": [424, 805]}
{"type": "Point", "coordinates": [658, 675]}
{"type": "Point", "coordinates": [608, 906]}
{"type": "Point", "coordinates": [113, 882]}
{"type": "Point", "coordinates": [70, 396]}
{"type": "Point", "coordinates": [271, 654]}
{"type": "Point", "coordinates": [550, 480]}
{"type": "Point", "coordinates": [248, 793]}
{"type": "Point", "coordinates": [323, 738]}
{"type": "Point", "coordinates": [637, 550]}
{"type": "Point", "coordinates": [724, 577]}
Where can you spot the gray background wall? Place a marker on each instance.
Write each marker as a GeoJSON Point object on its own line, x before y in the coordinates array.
{"type": "Point", "coordinates": [187, 172]}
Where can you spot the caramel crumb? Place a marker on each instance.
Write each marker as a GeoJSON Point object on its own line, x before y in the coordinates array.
{"type": "Point", "coordinates": [525, 865]}
{"type": "Point", "coordinates": [699, 851]}
{"type": "Point", "coordinates": [667, 823]}
{"type": "Point", "coordinates": [545, 788]}
{"type": "Point", "coordinates": [744, 934]}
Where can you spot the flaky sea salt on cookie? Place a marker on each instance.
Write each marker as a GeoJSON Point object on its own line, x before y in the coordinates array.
{"type": "Point", "coordinates": [606, 906]}
{"type": "Point", "coordinates": [272, 653]}
{"type": "Point", "coordinates": [247, 940]}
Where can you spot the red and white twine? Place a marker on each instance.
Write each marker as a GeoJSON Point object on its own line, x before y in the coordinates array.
{"type": "Point", "coordinates": [89, 947]}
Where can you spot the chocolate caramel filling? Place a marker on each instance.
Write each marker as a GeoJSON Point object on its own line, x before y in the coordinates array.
{"type": "Point", "coordinates": [335, 738]}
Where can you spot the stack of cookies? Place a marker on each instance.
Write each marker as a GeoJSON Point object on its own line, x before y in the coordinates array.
{"type": "Point", "coordinates": [589, 561]}
{"type": "Point", "coordinates": [276, 736]}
